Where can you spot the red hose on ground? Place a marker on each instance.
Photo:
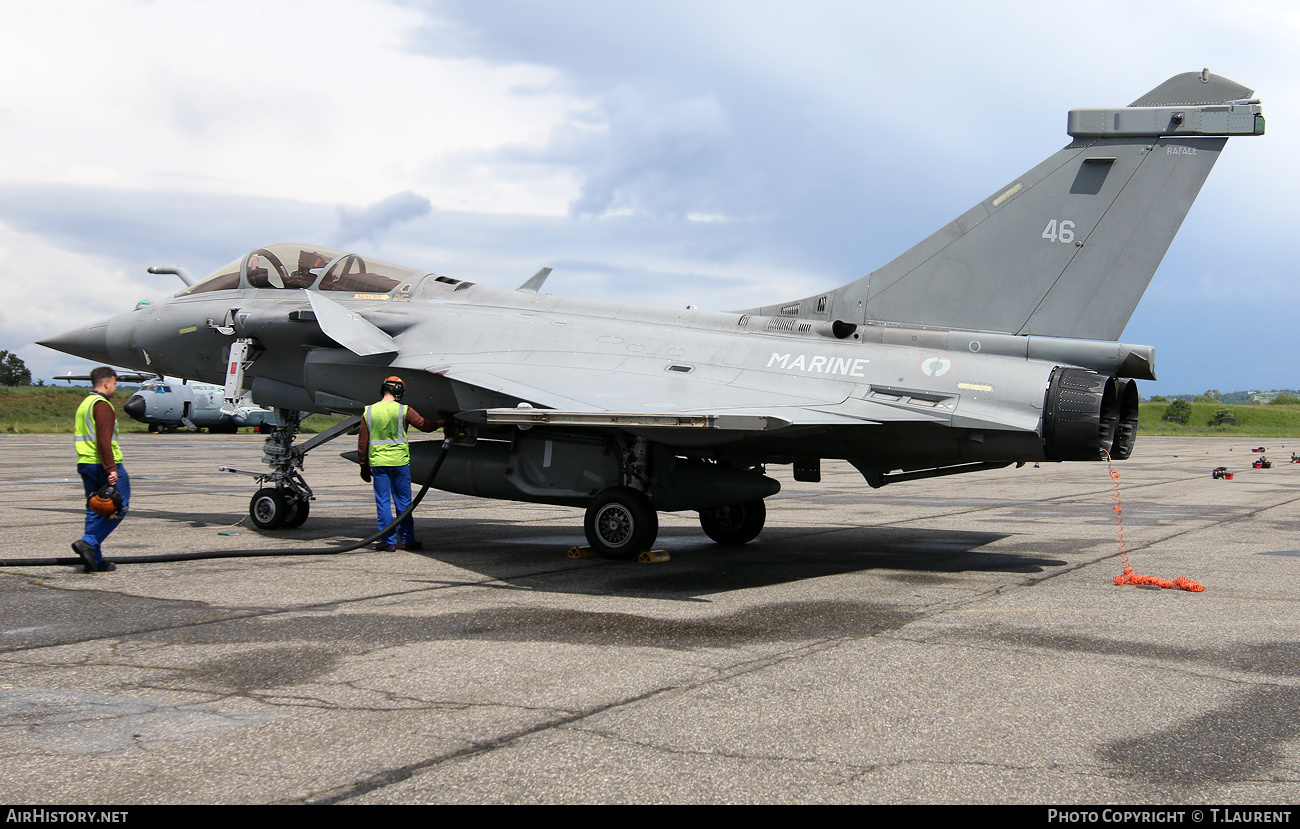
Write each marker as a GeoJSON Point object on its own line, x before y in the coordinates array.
{"type": "Point", "coordinates": [1129, 577]}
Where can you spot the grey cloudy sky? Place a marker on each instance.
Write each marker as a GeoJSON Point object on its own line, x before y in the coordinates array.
{"type": "Point", "coordinates": [722, 154]}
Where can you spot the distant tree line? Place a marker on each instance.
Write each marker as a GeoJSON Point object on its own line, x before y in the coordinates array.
{"type": "Point", "coordinates": [1284, 397]}
{"type": "Point", "coordinates": [13, 372]}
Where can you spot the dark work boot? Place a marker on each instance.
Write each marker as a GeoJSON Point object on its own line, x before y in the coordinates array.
{"type": "Point", "coordinates": [87, 553]}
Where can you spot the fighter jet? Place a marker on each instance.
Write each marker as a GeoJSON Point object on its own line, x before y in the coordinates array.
{"type": "Point", "coordinates": [172, 403]}
{"type": "Point", "coordinates": [992, 342]}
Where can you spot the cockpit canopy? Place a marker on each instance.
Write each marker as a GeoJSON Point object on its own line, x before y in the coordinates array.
{"type": "Point", "coordinates": [292, 266]}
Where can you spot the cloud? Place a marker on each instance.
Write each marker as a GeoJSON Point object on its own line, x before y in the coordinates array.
{"type": "Point", "coordinates": [368, 222]}
{"type": "Point", "coordinates": [47, 286]}
{"type": "Point", "coordinates": [315, 101]}
{"type": "Point", "coordinates": [135, 229]}
{"type": "Point", "coordinates": [663, 158]}
{"type": "Point", "coordinates": [484, 140]}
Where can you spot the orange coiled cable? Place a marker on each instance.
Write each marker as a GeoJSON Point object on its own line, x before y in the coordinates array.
{"type": "Point", "coordinates": [1129, 577]}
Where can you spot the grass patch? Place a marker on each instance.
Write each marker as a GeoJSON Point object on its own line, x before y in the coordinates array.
{"type": "Point", "coordinates": [50, 409]}
{"type": "Point", "coordinates": [1252, 420]}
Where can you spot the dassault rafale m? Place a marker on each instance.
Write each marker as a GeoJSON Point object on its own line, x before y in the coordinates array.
{"type": "Point", "coordinates": [992, 342]}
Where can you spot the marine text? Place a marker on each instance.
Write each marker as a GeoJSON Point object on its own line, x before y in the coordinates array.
{"type": "Point", "coordinates": [820, 364]}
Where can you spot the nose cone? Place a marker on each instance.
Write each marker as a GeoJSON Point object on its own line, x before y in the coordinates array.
{"type": "Point", "coordinates": [134, 407]}
{"type": "Point", "coordinates": [90, 343]}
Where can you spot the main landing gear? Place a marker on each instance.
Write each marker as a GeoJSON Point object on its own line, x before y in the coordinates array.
{"type": "Point", "coordinates": [285, 499]}
{"type": "Point", "coordinates": [621, 523]}
{"type": "Point", "coordinates": [736, 524]}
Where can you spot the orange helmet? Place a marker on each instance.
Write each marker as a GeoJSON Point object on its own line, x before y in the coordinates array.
{"type": "Point", "coordinates": [393, 385]}
{"type": "Point", "coordinates": [105, 501]}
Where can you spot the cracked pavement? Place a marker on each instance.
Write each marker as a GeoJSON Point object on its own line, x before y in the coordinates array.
{"type": "Point", "coordinates": [957, 640]}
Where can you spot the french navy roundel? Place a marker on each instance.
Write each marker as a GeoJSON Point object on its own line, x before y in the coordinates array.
{"type": "Point", "coordinates": [935, 366]}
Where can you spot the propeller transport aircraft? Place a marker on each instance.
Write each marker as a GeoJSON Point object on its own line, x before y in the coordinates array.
{"type": "Point", "coordinates": [992, 342]}
{"type": "Point", "coordinates": [170, 403]}
{"type": "Point", "coordinates": [167, 404]}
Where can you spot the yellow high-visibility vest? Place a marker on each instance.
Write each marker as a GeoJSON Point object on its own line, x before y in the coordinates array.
{"type": "Point", "coordinates": [83, 431]}
{"type": "Point", "coordinates": [386, 421]}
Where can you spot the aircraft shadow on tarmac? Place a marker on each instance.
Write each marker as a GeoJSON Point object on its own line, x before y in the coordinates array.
{"type": "Point", "coordinates": [533, 556]}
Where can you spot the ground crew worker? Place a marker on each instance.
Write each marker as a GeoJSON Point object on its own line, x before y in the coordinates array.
{"type": "Point", "coordinates": [99, 462]}
{"type": "Point", "coordinates": [386, 459]}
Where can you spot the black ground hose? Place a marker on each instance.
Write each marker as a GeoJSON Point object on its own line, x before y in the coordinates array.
{"type": "Point", "coordinates": [321, 551]}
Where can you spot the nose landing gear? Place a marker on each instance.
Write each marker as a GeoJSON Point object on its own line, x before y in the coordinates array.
{"type": "Point", "coordinates": [284, 499]}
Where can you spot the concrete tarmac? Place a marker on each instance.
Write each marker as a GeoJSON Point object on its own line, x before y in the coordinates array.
{"type": "Point", "coordinates": [957, 640]}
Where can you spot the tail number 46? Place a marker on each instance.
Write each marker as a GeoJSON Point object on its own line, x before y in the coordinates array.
{"type": "Point", "coordinates": [1062, 232]}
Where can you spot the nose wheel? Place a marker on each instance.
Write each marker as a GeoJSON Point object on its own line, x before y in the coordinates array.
{"type": "Point", "coordinates": [296, 513]}
{"type": "Point", "coordinates": [271, 509]}
{"type": "Point", "coordinates": [267, 509]}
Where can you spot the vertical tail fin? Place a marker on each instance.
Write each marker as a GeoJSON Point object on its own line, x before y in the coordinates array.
{"type": "Point", "coordinates": [1067, 249]}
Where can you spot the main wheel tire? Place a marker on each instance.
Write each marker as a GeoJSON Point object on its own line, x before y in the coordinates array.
{"type": "Point", "coordinates": [296, 514]}
{"type": "Point", "coordinates": [736, 524]}
{"type": "Point", "coordinates": [268, 509]}
{"type": "Point", "coordinates": [621, 523]}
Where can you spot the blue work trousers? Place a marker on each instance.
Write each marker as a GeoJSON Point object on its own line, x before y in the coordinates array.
{"type": "Point", "coordinates": [393, 483]}
{"type": "Point", "coordinates": [98, 527]}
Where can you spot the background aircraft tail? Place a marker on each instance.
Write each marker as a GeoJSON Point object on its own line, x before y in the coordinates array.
{"type": "Point", "coordinates": [1067, 249]}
